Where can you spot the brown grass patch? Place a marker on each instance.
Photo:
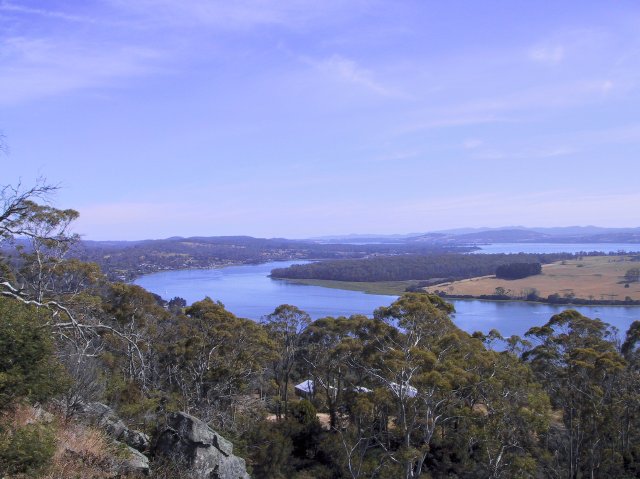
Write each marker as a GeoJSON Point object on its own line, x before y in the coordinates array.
{"type": "Point", "coordinates": [592, 277]}
{"type": "Point", "coordinates": [81, 451]}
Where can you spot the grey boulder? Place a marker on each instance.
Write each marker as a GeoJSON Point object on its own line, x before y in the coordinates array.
{"type": "Point", "coordinates": [189, 441]}
{"type": "Point", "coordinates": [106, 418]}
{"type": "Point", "coordinates": [137, 463]}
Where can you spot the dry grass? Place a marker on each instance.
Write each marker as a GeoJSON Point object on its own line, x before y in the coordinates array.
{"type": "Point", "coordinates": [81, 451]}
{"type": "Point", "coordinates": [594, 278]}
{"type": "Point", "coordinates": [22, 414]}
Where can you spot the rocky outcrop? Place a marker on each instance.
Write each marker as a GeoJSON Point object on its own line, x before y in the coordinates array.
{"type": "Point", "coordinates": [136, 464]}
{"type": "Point", "coordinates": [189, 441]}
{"type": "Point", "coordinates": [103, 416]}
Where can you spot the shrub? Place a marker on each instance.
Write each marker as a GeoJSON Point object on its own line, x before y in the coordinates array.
{"type": "Point", "coordinates": [27, 449]}
{"type": "Point", "coordinates": [28, 369]}
{"type": "Point", "coordinates": [303, 411]}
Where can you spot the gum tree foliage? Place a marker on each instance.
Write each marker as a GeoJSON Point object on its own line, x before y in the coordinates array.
{"type": "Point", "coordinates": [214, 359]}
{"type": "Point", "coordinates": [630, 418]}
{"type": "Point", "coordinates": [35, 238]}
{"type": "Point", "coordinates": [449, 398]}
{"type": "Point", "coordinates": [411, 367]}
{"type": "Point", "coordinates": [576, 360]}
{"type": "Point", "coordinates": [410, 394]}
{"type": "Point", "coordinates": [285, 327]}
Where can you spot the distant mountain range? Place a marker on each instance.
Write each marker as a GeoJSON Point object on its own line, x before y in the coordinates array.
{"type": "Point", "coordinates": [511, 234]}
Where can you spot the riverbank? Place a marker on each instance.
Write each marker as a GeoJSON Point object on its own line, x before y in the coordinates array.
{"type": "Point", "coordinates": [586, 281]}
{"type": "Point", "coordinates": [388, 288]}
{"type": "Point", "coordinates": [555, 301]}
{"type": "Point", "coordinates": [396, 288]}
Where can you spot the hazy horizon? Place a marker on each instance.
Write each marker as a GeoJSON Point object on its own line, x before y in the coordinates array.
{"type": "Point", "coordinates": [460, 230]}
{"type": "Point", "coordinates": [301, 119]}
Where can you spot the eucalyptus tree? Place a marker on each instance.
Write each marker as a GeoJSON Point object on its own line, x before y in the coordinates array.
{"type": "Point", "coordinates": [577, 361]}
{"type": "Point", "coordinates": [136, 314]}
{"type": "Point", "coordinates": [213, 359]}
{"type": "Point", "coordinates": [412, 361]}
{"type": "Point", "coordinates": [630, 387]}
{"type": "Point", "coordinates": [35, 239]}
{"type": "Point", "coordinates": [285, 327]}
{"type": "Point", "coordinates": [329, 346]}
{"type": "Point", "coordinates": [506, 414]}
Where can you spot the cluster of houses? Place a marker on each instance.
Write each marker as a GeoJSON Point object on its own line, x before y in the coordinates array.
{"type": "Point", "coordinates": [307, 389]}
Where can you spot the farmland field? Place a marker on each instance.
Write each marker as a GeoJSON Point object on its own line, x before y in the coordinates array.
{"type": "Point", "coordinates": [593, 278]}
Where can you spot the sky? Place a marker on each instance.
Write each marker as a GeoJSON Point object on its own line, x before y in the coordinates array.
{"type": "Point", "coordinates": [292, 118]}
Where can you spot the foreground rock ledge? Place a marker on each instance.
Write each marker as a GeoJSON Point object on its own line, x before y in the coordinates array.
{"type": "Point", "coordinates": [189, 441]}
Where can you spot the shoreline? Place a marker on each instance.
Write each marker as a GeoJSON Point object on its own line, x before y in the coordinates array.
{"type": "Point", "coordinates": [217, 266]}
{"type": "Point", "coordinates": [397, 288]}
{"type": "Point", "coordinates": [581, 302]}
{"type": "Point", "coordinates": [383, 289]}
{"type": "Point", "coordinates": [186, 268]}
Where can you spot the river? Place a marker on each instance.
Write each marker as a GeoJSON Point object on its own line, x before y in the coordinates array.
{"type": "Point", "coordinates": [248, 292]}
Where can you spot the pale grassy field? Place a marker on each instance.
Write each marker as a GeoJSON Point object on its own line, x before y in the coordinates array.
{"type": "Point", "coordinates": [597, 277]}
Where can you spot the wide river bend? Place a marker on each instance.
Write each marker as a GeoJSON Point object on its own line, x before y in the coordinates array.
{"type": "Point", "coordinates": [248, 292]}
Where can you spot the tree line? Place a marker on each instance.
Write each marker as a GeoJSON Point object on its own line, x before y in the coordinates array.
{"type": "Point", "coordinates": [444, 267]}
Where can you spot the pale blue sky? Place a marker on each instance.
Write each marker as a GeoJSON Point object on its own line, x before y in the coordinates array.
{"type": "Point", "coordinates": [298, 118]}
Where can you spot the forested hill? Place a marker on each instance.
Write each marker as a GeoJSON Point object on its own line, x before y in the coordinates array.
{"type": "Point", "coordinates": [124, 260]}
{"type": "Point", "coordinates": [411, 267]}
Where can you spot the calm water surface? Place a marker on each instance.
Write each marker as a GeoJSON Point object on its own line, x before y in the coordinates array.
{"type": "Point", "coordinates": [248, 292]}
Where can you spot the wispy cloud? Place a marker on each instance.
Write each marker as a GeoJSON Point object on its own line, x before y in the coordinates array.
{"type": "Point", "coordinates": [606, 86]}
{"type": "Point", "coordinates": [437, 120]}
{"type": "Point", "coordinates": [615, 135]}
{"type": "Point", "coordinates": [524, 154]}
{"type": "Point", "coordinates": [472, 143]}
{"type": "Point", "coordinates": [517, 105]}
{"type": "Point", "coordinates": [398, 156]}
{"type": "Point", "coordinates": [548, 54]}
{"type": "Point", "coordinates": [347, 70]}
{"type": "Point", "coordinates": [38, 67]}
{"type": "Point", "coordinates": [237, 14]}
{"type": "Point", "coordinates": [55, 14]}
